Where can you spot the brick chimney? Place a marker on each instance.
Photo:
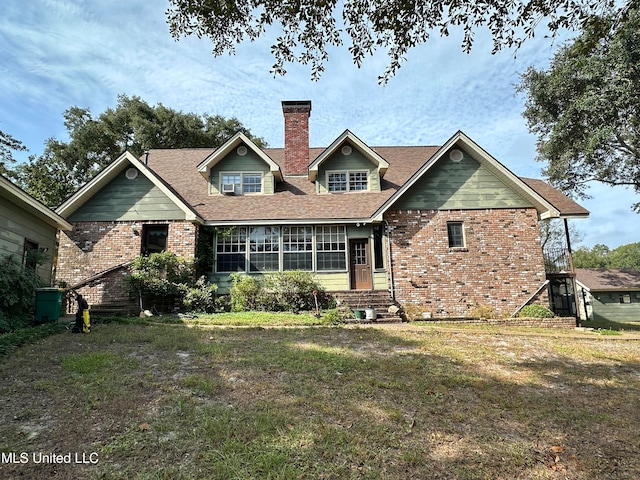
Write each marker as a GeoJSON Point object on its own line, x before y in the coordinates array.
{"type": "Point", "coordinates": [296, 136]}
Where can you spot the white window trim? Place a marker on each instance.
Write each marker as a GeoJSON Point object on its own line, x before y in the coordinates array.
{"type": "Point", "coordinates": [462, 247]}
{"type": "Point", "coordinates": [348, 175]}
{"type": "Point", "coordinates": [241, 189]}
{"type": "Point", "coordinates": [314, 251]}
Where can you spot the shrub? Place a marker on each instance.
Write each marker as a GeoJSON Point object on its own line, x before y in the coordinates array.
{"type": "Point", "coordinates": [292, 291]}
{"type": "Point", "coordinates": [535, 311]}
{"type": "Point", "coordinates": [244, 292]}
{"type": "Point", "coordinates": [161, 277]}
{"type": "Point", "coordinates": [17, 293]}
{"type": "Point", "coordinates": [277, 292]}
{"type": "Point", "coordinates": [201, 297]}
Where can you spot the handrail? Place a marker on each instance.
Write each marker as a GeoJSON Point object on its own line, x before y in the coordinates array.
{"type": "Point", "coordinates": [99, 274]}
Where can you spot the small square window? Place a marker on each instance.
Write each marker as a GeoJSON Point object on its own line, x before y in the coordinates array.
{"type": "Point", "coordinates": [154, 238]}
{"type": "Point", "coordinates": [625, 298]}
{"type": "Point", "coordinates": [251, 183]}
{"type": "Point", "coordinates": [455, 234]}
{"type": "Point", "coordinates": [337, 182]}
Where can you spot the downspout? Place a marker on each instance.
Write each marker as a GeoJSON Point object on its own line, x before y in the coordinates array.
{"type": "Point", "coordinates": [389, 257]}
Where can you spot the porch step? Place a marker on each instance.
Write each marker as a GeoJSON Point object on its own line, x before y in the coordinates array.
{"type": "Point", "coordinates": [379, 300]}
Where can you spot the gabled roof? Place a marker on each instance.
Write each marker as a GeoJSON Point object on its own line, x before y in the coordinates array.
{"type": "Point", "coordinates": [613, 279]}
{"type": "Point", "coordinates": [567, 207]}
{"type": "Point", "coordinates": [234, 142]}
{"type": "Point", "coordinates": [179, 173]}
{"type": "Point", "coordinates": [295, 199]}
{"type": "Point", "coordinates": [460, 140]}
{"type": "Point", "coordinates": [21, 198]}
{"type": "Point", "coordinates": [109, 173]}
{"type": "Point", "coordinates": [362, 147]}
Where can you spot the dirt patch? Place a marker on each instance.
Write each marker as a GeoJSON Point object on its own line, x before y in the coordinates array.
{"type": "Point", "coordinates": [356, 402]}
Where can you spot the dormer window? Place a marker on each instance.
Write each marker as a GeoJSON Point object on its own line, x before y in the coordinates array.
{"type": "Point", "coordinates": [240, 183]}
{"type": "Point", "coordinates": [347, 181]}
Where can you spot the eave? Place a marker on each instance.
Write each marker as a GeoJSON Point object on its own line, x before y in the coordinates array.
{"type": "Point", "coordinates": [459, 140]}
{"type": "Point", "coordinates": [347, 136]}
{"type": "Point", "coordinates": [109, 173]}
{"type": "Point", "coordinates": [22, 198]}
{"type": "Point", "coordinates": [234, 142]}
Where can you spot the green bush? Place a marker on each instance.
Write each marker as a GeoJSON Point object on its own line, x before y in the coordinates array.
{"type": "Point", "coordinates": [244, 293]}
{"type": "Point", "coordinates": [536, 311]}
{"type": "Point", "coordinates": [290, 291]}
{"type": "Point", "coordinates": [160, 274]}
{"type": "Point", "coordinates": [201, 297]}
{"type": "Point", "coordinates": [17, 293]}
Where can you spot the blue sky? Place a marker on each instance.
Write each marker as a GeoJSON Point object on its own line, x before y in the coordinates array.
{"type": "Point", "coordinates": [60, 53]}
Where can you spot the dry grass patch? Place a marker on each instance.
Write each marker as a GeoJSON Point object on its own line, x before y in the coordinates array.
{"type": "Point", "coordinates": [168, 402]}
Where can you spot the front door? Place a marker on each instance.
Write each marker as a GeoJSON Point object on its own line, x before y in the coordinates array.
{"type": "Point", "coordinates": [360, 264]}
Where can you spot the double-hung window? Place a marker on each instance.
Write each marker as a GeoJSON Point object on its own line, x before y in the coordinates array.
{"type": "Point", "coordinates": [264, 248]}
{"type": "Point", "coordinates": [455, 234]}
{"type": "Point", "coordinates": [331, 241]}
{"type": "Point", "coordinates": [242, 182]}
{"type": "Point", "coordinates": [251, 183]}
{"type": "Point", "coordinates": [297, 248]}
{"type": "Point", "coordinates": [231, 249]}
{"type": "Point", "coordinates": [347, 181]}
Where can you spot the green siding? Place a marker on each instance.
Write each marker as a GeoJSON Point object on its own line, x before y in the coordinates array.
{"type": "Point", "coordinates": [234, 163]}
{"type": "Point", "coordinates": [463, 185]}
{"type": "Point", "coordinates": [124, 199]}
{"type": "Point", "coordinates": [607, 306]}
{"type": "Point", "coordinates": [355, 161]}
{"type": "Point", "coordinates": [16, 225]}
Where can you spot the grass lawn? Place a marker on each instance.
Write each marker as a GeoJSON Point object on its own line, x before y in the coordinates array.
{"type": "Point", "coordinates": [163, 401]}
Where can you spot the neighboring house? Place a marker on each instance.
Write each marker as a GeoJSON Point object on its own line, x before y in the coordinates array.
{"type": "Point", "coordinates": [27, 227]}
{"type": "Point", "coordinates": [609, 293]}
{"type": "Point", "coordinates": [447, 228]}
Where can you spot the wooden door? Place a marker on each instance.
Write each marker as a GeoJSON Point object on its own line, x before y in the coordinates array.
{"type": "Point", "coordinates": [360, 261]}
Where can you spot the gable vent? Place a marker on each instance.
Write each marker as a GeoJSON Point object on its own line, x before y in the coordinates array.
{"type": "Point", "coordinates": [456, 156]}
{"type": "Point", "coordinates": [131, 173]}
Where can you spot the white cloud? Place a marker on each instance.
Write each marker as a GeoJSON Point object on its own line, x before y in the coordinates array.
{"type": "Point", "coordinates": [59, 53]}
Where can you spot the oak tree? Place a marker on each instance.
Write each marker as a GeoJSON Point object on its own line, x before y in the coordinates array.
{"type": "Point", "coordinates": [307, 28]}
{"type": "Point", "coordinates": [133, 125]}
{"type": "Point", "coordinates": [585, 108]}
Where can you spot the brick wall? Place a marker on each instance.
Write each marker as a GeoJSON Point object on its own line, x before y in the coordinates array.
{"type": "Point", "coordinates": [93, 247]}
{"type": "Point", "coordinates": [501, 266]}
{"type": "Point", "coordinates": [296, 137]}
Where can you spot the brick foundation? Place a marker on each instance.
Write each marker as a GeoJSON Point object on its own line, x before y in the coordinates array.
{"type": "Point", "coordinates": [500, 268]}
{"type": "Point", "coordinates": [93, 247]}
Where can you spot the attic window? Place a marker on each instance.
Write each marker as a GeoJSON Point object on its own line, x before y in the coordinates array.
{"type": "Point", "coordinates": [242, 183]}
{"type": "Point", "coordinates": [347, 181]}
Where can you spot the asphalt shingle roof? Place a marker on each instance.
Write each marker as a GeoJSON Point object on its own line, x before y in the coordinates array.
{"type": "Point", "coordinates": [296, 198]}
{"type": "Point", "coordinates": [609, 278]}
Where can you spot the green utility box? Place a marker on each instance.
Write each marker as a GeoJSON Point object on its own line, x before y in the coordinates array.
{"type": "Point", "coordinates": [48, 304]}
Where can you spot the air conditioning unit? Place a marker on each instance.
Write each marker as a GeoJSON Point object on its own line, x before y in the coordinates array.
{"type": "Point", "coordinates": [228, 188]}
